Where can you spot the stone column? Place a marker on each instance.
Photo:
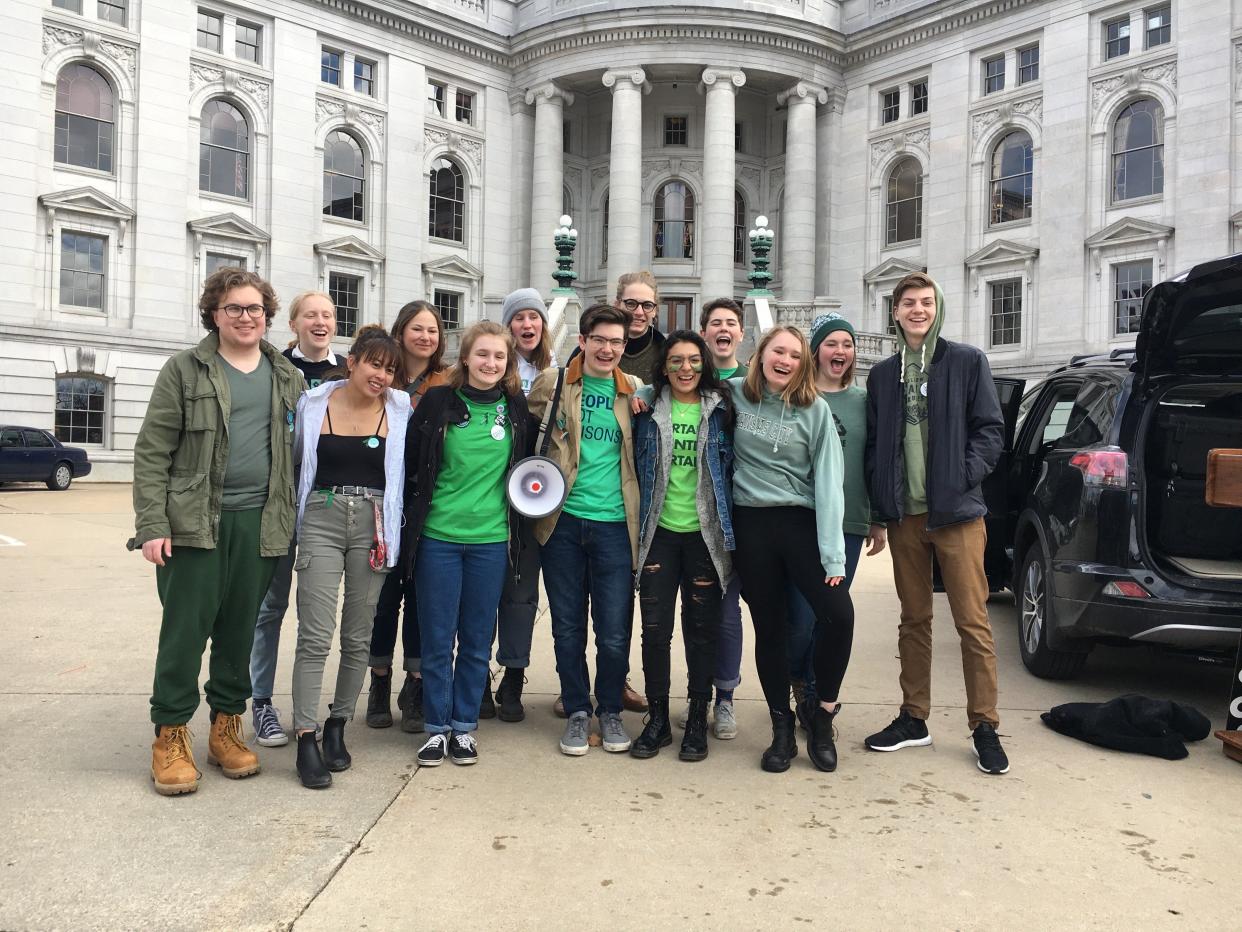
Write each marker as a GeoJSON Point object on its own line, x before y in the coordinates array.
{"type": "Point", "coordinates": [625, 170]}
{"type": "Point", "coordinates": [798, 211]}
{"type": "Point", "coordinates": [714, 220]}
{"type": "Point", "coordinates": [522, 138]}
{"type": "Point", "coordinates": [547, 180]}
{"type": "Point", "coordinates": [828, 130]}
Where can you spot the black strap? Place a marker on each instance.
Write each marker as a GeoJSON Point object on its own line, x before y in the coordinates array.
{"type": "Point", "coordinates": [545, 438]}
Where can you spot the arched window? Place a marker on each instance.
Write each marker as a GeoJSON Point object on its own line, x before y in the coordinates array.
{"type": "Point", "coordinates": [81, 403]}
{"type": "Point", "coordinates": [223, 150]}
{"type": "Point", "coordinates": [344, 176]}
{"type": "Point", "coordinates": [1138, 151]}
{"type": "Point", "coordinates": [85, 118]}
{"type": "Point", "coordinates": [674, 222]}
{"type": "Point", "coordinates": [904, 202]}
{"type": "Point", "coordinates": [1012, 162]}
{"type": "Point", "coordinates": [446, 210]}
{"type": "Point", "coordinates": [603, 258]}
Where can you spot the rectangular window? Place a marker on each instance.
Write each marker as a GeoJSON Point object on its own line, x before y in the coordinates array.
{"type": "Point", "coordinates": [676, 131]}
{"type": "Point", "coordinates": [219, 260]}
{"type": "Point", "coordinates": [994, 74]}
{"type": "Point", "coordinates": [448, 303]}
{"type": "Point", "coordinates": [1131, 281]}
{"type": "Point", "coordinates": [1028, 64]}
{"type": "Point", "coordinates": [82, 270]}
{"type": "Point", "coordinates": [114, 11]}
{"type": "Point", "coordinates": [344, 291]}
{"type": "Point", "coordinates": [918, 98]}
{"type": "Point", "coordinates": [210, 31]}
{"type": "Point", "coordinates": [1159, 26]}
{"type": "Point", "coordinates": [330, 67]}
{"type": "Point", "coordinates": [1117, 38]}
{"type": "Point", "coordinates": [73, 6]}
{"type": "Point", "coordinates": [737, 137]}
{"type": "Point", "coordinates": [890, 325]}
{"type": "Point", "coordinates": [80, 409]}
{"type": "Point", "coordinates": [364, 77]}
{"type": "Point", "coordinates": [247, 42]}
{"type": "Point", "coordinates": [435, 98]}
{"type": "Point", "coordinates": [464, 109]}
{"type": "Point", "coordinates": [890, 106]}
{"type": "Point", "coordinates": [1006, 313]}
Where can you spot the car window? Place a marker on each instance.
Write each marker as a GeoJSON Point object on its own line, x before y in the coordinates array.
{"type": "Point", "coordinates": [10, 438]}
{"type": "Point", "coordinates": [1090, 416]}
{"type": "Point", "coordinates": [1054, 413]}
{"type": "Point", "coordinates": [36, 438]}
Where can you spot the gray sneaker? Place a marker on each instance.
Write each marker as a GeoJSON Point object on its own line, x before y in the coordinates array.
{"type": "Point", "coordinates": [683, 716]}
{"type": "Point", "coordinates": [574, 741]}
{"type": "Point", "coordinates": [613, 732]}
{"type": "Point", "coordinates": [267, 728]}
{"type": "Point", "coordinates": [725, 727]}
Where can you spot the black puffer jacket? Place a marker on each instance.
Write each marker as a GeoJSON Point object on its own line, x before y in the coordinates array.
{"type": "Point", "coordinates": [965, 432]}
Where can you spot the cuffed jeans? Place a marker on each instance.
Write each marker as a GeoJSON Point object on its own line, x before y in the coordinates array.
{"type": "Point", "coordinates": [802, 619]}
{"type": "Point", "coordinates": [458, 587]}
{"type": "Point", "coordinates": [582, 559]}
{"type": "Point", "coordinates": [267, 627]}
{"type": "Point", "coordinates": [729, 640]}
{"type": "Point", "coordinates": [397, 598]}
{"type": "Point", "coordinates": [519, 604]}
{"type": "Point", "coordinates": [335, 540]}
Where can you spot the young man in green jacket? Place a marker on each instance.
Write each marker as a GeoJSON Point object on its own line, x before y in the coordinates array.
{"type": "Point", "coordinates": [214, 510]}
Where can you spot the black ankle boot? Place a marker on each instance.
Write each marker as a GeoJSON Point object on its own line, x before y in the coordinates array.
{"type": "Point", "coordinates": [379, 701]}
{"type": "Point", "coordinates": [410, 702]}
{"type": "Point", "coordinates": [694, 744]}
{"type": "Point", "coordinates": [487, 707]}
{"type": "Point", "coordinates": [783, 748]}
{"type": "Point", "coordinates": [820, 747]}
{"type": "Point", "coordinates": [509, 695]}
{"type": "Point", "coordinates": [335, 757]}
{"type": "Point", "coordinates": [311, 770]}
{"type": "Point", "coordinates": [657, 732]}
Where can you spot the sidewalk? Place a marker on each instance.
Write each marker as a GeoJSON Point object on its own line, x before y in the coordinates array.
{"type": "Point", "coordinates": [1072, 837]}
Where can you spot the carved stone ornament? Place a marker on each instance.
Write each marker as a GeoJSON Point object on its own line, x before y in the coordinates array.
{"type": "Point", "coordinates": [732, 78]}
{"type": "Point", "coordinates": [1162, 73]}
{"type": "Point", "coordinates": [93, 46]}
{"type": "Point", "coordinates": [750, 175]}
{"type": "Point", "coordinates": [1033, 108]}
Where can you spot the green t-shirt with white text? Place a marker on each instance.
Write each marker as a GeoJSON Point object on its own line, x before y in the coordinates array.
{"type": "Point", "coordinates": [596, 494]}
{"type": "Point", "coordinates": [680, 512]}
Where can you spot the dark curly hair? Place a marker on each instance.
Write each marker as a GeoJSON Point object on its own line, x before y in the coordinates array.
{"type": "Point", "coordinates": [225, 279]}
{"type": "Point", "coordinates": [708, 380]}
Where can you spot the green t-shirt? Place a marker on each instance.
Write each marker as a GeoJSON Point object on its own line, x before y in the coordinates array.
{"type": "Point", "coordinates": [739, 371]}
{"type": "Point", "coordinates": [596, 494]}
{"type": "Point", "coordinates": [468, 505]}
{"type": "Point", "coordinates": [849, 412]}
{"type": "Point", "coordinates": [680, 512]}
{"type": "Point", "coordinates": [249, 468]}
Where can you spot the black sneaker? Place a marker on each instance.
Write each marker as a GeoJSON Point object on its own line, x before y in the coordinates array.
{"type": "Point", "coordinates": [988, 749]}
{"type": "Point", "coordinates": [462, 748]}
{"type": "Point", "coordinates": [431, 754]}
{"type": "Point", "coordinates": [905, 731]}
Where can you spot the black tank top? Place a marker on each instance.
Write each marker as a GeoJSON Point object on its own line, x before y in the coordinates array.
{"type": "Point", "coordinates": [350, 460]}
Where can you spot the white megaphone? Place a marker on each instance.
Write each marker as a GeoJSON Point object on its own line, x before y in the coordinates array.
{"type": "Point", "coordinates": [535, 487]}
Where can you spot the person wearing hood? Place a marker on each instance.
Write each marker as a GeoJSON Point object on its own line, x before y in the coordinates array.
{"type": "Point", "coordinates": [638, 294]}
{"type": "Point", "coordinates": [934, 432]}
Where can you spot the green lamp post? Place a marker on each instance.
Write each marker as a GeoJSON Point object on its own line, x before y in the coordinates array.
{"type": "Point", "coordinates": [565, 238]}
{"type": "Point", "coordinates": [761, 239]}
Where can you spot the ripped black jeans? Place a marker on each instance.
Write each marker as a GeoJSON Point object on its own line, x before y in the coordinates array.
{"type": "Point", "coordinates": [679, 561]}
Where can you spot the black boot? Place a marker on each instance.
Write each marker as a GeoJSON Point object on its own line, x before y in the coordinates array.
{"type": "Point", "coordinates": [656, 731]}
{"type": "Point", "coordinates": [311, 770]}
{"type": "Point", "coordinates": [694, 744]}
{"type": "Point", "coordinates": [820, 747]}
{"type": "Point", "coordinates": [410, 702]}
{"type": "Point", "coordinates": [509, 695]}
{"type": "Point", "coordinates": [487, 707]}
{"type": "Point", "coordinates": [783, 748]}
{"type": "Point", "coordinates": [335, 757]}
{"type": "Point", "coordinates": [379, 701]}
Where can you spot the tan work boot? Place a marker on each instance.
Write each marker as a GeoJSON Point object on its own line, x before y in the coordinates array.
{"type": "Point", "coordinates": [172, 761]}
{"type": "Point", "coordinates": [228, 751]}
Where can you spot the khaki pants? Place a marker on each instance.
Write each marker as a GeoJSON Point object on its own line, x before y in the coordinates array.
{"type": "Point", "coordinates": [959, 551]}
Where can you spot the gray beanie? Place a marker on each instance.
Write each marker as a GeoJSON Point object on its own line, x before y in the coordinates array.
{"type": "Point", "coordinates": [524, 299]}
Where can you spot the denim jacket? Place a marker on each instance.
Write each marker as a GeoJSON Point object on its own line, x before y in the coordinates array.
{"type": "Point", "coordinates": [653, 451]}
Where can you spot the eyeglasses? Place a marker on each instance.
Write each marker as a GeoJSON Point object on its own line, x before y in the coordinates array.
{"type": "Point", "coordinates": [234, 311]}
{"type": "Point", "coordinates": [632, 305]}
{"type": "Point", "coordinates": [601, 342]}
{"type": "Point", "coordinates": [679, 362]}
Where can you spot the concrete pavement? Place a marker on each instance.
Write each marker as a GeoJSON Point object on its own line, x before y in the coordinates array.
{"type": "Point", "coordinates": [1073, 837]}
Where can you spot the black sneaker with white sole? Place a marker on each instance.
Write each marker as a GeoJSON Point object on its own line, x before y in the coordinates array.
{"type": "Point", "coordinates": [905, 731]}
{"type": "Point", "coordinates": [463, 749]}
{"type": "Point", "coordinates": [988, 749]}
{"type": "Point", "coordinates": [432, 753]}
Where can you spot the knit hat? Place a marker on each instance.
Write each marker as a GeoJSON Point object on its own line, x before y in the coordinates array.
{"type": "Point", "coordinates": [825, 324]}
{"type": "Point", "coordinates": [524, 299]}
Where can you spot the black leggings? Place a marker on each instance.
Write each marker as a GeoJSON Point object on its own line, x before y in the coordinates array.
{"type": "Point", "coordinates": [775, 545]}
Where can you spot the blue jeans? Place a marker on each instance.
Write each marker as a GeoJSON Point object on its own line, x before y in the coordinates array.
{"type": "Point", "coordinates": [267, 627]}
{"type": "Point", "coordinates": [802, 619]}
{"type": "Point", "coordinates": [590, 558]}
{"type": "Point", "coordinates": [458, 588]}
{"type": "Point", "coordinates": [729, 641]}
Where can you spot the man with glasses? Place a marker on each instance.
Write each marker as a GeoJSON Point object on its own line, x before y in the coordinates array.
{"type": "Point", "coordinates": [637, 294]}
{"type": "Point", "coordinates": [213, 504]}
{"type": "Point", "coordinates": [589, 548]}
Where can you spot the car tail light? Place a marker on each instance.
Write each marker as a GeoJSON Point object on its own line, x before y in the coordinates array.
{"type": "Point", "coordinates": [1106, 468]}
{"type": "Point", "coordinates": [1126, 588]}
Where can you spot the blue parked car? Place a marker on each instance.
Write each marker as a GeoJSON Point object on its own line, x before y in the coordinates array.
{"type": "Point", "coordinates": [28, 454]}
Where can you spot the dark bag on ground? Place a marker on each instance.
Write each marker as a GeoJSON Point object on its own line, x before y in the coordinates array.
{"type": "Point", "coordinates": [1132, 723]}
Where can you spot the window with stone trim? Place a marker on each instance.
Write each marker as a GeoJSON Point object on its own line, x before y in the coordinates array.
{"type": "Point", "coordinates": [330, 66]}
{"type": "Point", "coordinates": [435, 98]}
{"type": "Point", "coordinates": [448, 303]}
{"type": "Point", "coordinates": [918, 97]}
{"type": "Point", "coordinates": [81, 409]}
{"type": "Point", "coordinates": [603, 252]}
{"type": "Point", "coordinates": [364, 76]}
{"type": "Point", "coordinates": [994, 74]}
{"type": "Point", "coordinates": [676, 131]}
{"type": "Point", "coordinates": [223, 150]}
{"type": "Point", "coordinates": [1028, 64]}
{"type": "Point", "coordinates": [904, 202]}
{"type": "Point", "coordinates": [1157, 26]}
{"type": "Point", "coordinates": [85, 118]}
{"type": "Point", "coordinates": [83, 270]}
{"type": "Point", "coordinates": [346, 293]}
{"type": "Point", "coordinates": [1131, 282]}
{"type": "Point", "coordinates": [446, 209]}
{"type": "Point", "coordinates": [890, 324]}
{"type": "Point", "coordinates": [220, 260]}
{"type": "Point", "coordinates": [1138, 151]}
{"type": "Point", "coordinates": [740, 239]}
{"type": "Point", "coordinates": [890, 106]}
{"type": "Point", "coordinates": [737, 137]}
{"type": "Point", "coordinates": [113, 11]}
{"type": "Point", "coordinates": [247, 41]}
{"type": "Point", "coordinates": [210, 32]}
{"type": "Point", "coordinates": [344, 177]}
{"type": "Point", "coordinates": [673, 222]}
{"type": "Point", "coordinates": [73, 6]}
{"type": "Point", "coordinates": [1012, 178]}
{"type": "Point", "coordinates": [464, 107]}
{"type": "Point", "coordinates": [1117, 38]}
{"type": "Point", "coordinates": [1006, 312]}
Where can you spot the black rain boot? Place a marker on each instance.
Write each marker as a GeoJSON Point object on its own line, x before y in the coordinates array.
{"type": "Point", "coordinates": [509, 695]}
{"type": "Point", "coordinates": [694, 744]}
{"type": "Point", "coordinates": [311, 770]}
{"type": "Point", "coordinates": [410, 701]}
{"type": "Point", "coordinates": [820, 747]}
{"type": "Point", "coordinates": [335, 757]}
{"type": "Point", "coordinates": [657, 733]}
{"type": "Point", "coordinates": [379, 701]}
{"type": "Point", "coordinates": [783, 748]}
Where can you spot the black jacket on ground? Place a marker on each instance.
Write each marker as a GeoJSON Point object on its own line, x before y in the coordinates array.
{"type": "Point", "coordinates": [965, 433]}
{"type": "Point", "coordinates": [1132, 723]}
{"type": "Point", "coordinates": [424, 452]}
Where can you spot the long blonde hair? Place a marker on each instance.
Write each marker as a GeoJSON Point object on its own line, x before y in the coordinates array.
{"type": "Point", "coordinates": [800, 392]}
{"type": "Point", "coordinates": [510, 383]}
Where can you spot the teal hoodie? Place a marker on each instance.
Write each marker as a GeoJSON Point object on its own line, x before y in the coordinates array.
{"type": "Point", "coordinates": [788, 456]}
{"type": "Point", "coordinates": [915, 368]}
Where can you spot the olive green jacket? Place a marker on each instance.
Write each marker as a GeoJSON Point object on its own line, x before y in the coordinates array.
{"type": "Point", "coordinates": [183, 448]}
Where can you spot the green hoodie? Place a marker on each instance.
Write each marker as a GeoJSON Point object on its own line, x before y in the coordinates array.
{"type": "Point", "coordinates": [915, 369]}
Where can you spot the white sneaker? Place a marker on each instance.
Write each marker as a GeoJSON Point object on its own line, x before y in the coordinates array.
{"type": "Point", "coordinates": [725, 727]}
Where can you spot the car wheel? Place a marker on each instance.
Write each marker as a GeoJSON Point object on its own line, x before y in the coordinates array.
{"type": "Point", "coordinates": [61, 476]}
{"type": "Point", "coordinates": [1036, 616]}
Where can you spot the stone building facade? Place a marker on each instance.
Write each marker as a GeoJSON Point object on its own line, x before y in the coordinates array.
{"type": "Point", "coordinates": [1046, 160]}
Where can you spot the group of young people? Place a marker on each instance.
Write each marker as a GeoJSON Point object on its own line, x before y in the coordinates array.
{"type": "Point", "coordinates": [689, 477]}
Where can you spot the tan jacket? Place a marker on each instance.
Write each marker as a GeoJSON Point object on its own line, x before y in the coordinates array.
{"type": "Point", "coordinates": [566, 434]}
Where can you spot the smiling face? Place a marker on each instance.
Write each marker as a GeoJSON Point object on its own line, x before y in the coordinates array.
{"type": "Point", "coordinates": [369, 375]}
{"type": "Point", "coordinates": [638, 295]}
{"type": "Point", "coordinates": [527, 330]}
{"type": "Point", "coordinates": [602, 349]}
{"type": "Point", "coordinates": [836, 356]}
{"type": "Point", "coordinates": [240, 334]}
{"type": "Point", "coordinates": [485, 364]}
{"type": "Point", "coordinates": [782, 358]}
{"type": "Point", "coordinates": [683, 364]}
{"type": "Point", "coordinates": [723, 335]}
{"type": "Point", "coordinates": [915, 313]}
{"type": "Point", "coordinates": [314, 326]}
{"type": "Point", "coordinates": [421, 336]}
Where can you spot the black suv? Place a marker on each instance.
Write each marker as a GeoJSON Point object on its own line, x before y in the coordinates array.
{"type": "Point", "coordinates": [1097, 514]}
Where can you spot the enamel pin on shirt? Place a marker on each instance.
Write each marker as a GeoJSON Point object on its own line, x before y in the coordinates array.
{"type": "Point", "coordinates": [498, 426]}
